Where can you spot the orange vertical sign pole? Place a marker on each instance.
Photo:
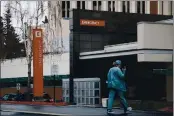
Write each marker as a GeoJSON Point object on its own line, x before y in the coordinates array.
{"type": "Point", "coordinates": [37, 63]}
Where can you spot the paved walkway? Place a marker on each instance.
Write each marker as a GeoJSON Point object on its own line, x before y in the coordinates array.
{"type": "Point", "coordinates": [70, 110]}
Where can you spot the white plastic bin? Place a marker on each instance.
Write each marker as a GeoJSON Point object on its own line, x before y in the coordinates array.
{"type": "Point", "coordinates": [104, 102]}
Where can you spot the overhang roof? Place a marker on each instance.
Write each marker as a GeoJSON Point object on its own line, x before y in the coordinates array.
{"type": "Point", "coordinates": [168, 21]}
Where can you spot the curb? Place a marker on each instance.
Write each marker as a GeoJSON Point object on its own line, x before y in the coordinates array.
{"type": "Point", "coordinates": [34, 103]}
{"type": "Point", "coordinates": [40, 113]}
{"type": "Point", "coordinates": [134, 110]}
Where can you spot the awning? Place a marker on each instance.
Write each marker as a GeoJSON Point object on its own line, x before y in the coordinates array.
{"type": "Point", "coordinates": [143, 55]}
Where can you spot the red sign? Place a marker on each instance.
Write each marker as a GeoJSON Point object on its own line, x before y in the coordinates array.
{"type": "Point", "coordinates": [97, 23]}
{"type": "Point", "coordinates": [37, 62]}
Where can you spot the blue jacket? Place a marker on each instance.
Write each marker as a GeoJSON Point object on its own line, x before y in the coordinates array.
{"type": "Point", "coordinates": [116, 79]}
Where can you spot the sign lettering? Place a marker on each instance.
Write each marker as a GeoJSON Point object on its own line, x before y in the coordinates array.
{"type": "Point", "coordinates": [97, 23]}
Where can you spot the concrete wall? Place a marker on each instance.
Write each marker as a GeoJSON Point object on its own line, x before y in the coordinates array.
{"type": "Point", "coordinates": [169, 85]}
{"type": "Point", "coordinates": [18, 67]}
{"type": "Point", "coordinates": [155, 36]}
{"type": "Point", "coordinates": [165, 9]}
{"type": "Point", "coordinates": [169, 88]}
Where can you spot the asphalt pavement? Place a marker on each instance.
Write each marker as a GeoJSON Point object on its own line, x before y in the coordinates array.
{"type": "Point", "coordinates": [33, 110]}
{"type": "Point", "coordinates": [18, 114]}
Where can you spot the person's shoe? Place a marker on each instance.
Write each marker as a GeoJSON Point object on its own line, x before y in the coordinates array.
{"type": "Point", "coordinates": [129, 109]}
{"type": "Point", "coordinates": [110, 111]}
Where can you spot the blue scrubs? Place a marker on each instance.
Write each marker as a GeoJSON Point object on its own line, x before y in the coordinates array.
{"type": "Point", "coordinates": [116, 85]}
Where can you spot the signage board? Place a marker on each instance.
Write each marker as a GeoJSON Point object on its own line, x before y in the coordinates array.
{"type": "Point", "coordinates": [37, 62]}
{"type": "Point", "coordinates": [95, 23]}
{"type": "Point", "coordinates": [54, 69]}
{"type": "Point", "coordinates": [18, 86]}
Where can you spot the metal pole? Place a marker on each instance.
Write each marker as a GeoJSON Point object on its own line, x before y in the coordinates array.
{"type": "Point", "coordinates": [173, 39]}
{"type": "Point", "coordinates": [0, 42]}
{"type": "Point", "coordinates": [54, 88]}
{"type": "Point", "coordinates": [0, 7]}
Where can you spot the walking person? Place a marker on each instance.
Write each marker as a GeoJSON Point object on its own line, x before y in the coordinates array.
{"type": "Point", "coordinates": [116, 85]}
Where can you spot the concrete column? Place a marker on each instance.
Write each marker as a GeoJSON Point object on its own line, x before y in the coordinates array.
{"type": "Point", "coordinates": [104, 5]}
{"type": "Point", "coordinates": [133, 6]}
{"type": "Point", "coordinates": [169, 86]}
{"type": "Point", "coordinates": [120, 7]}
{"type": "Point", "coordinates": [73, 4]}
{"type": "Point", "coordinates": [116, 6]}
{"type": "Point", "coordinates": [125, 3]}
{"type": "Point", "coordinates": [111, 5]}
{"type": "Point", "coordinates": [89, 5]}
{"type": "Point", "coordinates": [0, 15]}
{"type": "Point", "coordinates": [80, 4]}
{"type": "Point", "coordinates": [86, 4]}
{"type": "Point", "coordinates": [147, 7]}
{"type": "Point", "coordinates": [173, 8]}
{"type": "Point", "coordinates": [173, 42]}
{"type": "Point", "coordinates": [160, 5]}
{"type": "Point", "coordinates": [167, 8]}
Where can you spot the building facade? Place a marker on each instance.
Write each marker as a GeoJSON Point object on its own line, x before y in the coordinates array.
{"type": "Point", "coordinates": [59, 13]}
{"type": "Point", "coordinates": [58, 34]}
{"type": "Point", "coordinates": [143, 7]}
{"type": "Point", "coordinates": [63, 11]}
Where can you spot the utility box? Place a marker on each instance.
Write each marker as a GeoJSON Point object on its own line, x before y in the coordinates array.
{"type": "Point", "coordinates": [86, 91]}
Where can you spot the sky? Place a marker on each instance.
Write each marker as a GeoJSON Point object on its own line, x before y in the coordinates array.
{"type": "Point", "coordinates": [29, 5]}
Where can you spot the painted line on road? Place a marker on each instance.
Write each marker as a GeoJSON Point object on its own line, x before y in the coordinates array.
{"type": "Point", "coordinates": [42, 113]}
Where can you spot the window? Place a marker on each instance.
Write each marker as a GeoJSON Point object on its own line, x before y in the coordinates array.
{"type": "Point", "coordinates": [138, 7]}
{"type": "Point", "coordinates": [128, 6]}
{"type": "Point", "coordinates": [162, 5]}
{"type": "Point", "coordinates": [63, 4]}
{"type": "Point", "coordinates": [160, 9]}
{"type": "Point", "coordinates": [109, 5]}
{"type": "Point", "coordinates": [83, 4]}
{"type": "Point", "coordinates": [99, 5]}
{"type": "Point", "coordinates": [68, 8]}
{"type": "Point", "coordinates": [171, 8]}
{"type": "Point", "coordinates": [123, 7]}
{"type": "Point", "coordinates": [113, 2]}
{"type": "Point", "coordinates": [94, 5]}
{"type": "Point", "coordinates": [78, 4]}
{"type": "Point", "coordinates": [141, 7]}
{"type": "Point", "coordinates": [65, 9]}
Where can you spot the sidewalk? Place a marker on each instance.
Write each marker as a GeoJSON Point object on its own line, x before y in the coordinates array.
{"type": "Point", "coordinates": [34, 103]}
{"type": "Point", "coordinates": [71, 110]}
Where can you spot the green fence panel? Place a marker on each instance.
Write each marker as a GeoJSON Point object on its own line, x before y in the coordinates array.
{"type": "Point", "coordinates": [24, 79]}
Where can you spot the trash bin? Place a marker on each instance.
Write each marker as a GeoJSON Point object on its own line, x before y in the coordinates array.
{"type": "Point", "coordinates": [105, 102]}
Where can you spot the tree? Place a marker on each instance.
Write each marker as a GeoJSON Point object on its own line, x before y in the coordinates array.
{"type": "Point", "coordinates": [27, 21]}
{"type": "Point", "coordinates": [2, 40]}
{"type": "Point", "coordinates": [12, 41]}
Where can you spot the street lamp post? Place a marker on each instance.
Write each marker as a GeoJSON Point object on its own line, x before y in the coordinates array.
{"type": "Point", "coordinates": [0, 42]}
{"type": "Point", "coordinates": [173, 39]}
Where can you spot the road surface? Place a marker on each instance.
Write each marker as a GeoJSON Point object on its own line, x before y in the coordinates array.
{"type": "Point", "coordinates": [18, 114]}
{"type": "Point", "coordinates": [32, 110]}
